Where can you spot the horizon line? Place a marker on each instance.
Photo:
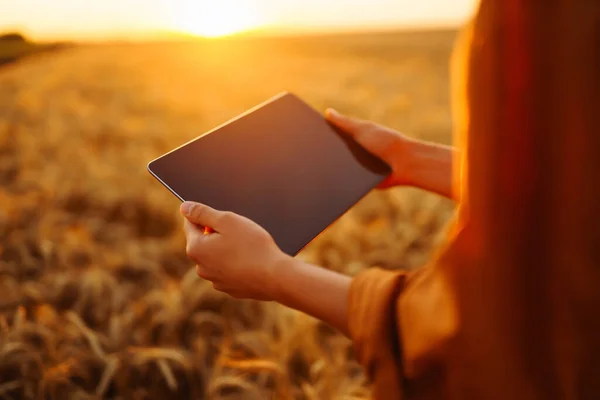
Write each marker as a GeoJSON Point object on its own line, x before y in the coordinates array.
{"type": "Point", "coordinates": [259, 32]}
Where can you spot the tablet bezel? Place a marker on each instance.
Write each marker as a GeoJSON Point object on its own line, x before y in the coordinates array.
{"type": "Point", "coordinates": [350, 142]}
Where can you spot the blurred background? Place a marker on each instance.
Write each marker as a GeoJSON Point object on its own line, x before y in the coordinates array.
{"type": "Point", "coordinates": [97, 298]}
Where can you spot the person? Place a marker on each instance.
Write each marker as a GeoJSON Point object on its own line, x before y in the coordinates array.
{"type": "Point", "coordinates": [509, 308]}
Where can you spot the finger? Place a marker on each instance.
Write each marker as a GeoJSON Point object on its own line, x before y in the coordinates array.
{"type": "Point", "coordinates": [198, 245]}
{"type": "Point", "coordinates": [217, 286]}
{"type": "Point", "coordinates": [197, 229]}
{"type": "Point", "coordinates": [348, 125]}
{"type": "Point", "coordinates": [203, 272]}
{"type": "Point", "coordinates": [379, 141]}
{"type": "Point", "coordinates": [203, 215]}
{"type": "Point", "coordinates": [220, 287]}
{"type": "Point", "coordinates": [192, 230]}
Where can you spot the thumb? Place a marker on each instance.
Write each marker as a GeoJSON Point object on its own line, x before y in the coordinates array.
{"type": "Point", "coordinates": [379, 141]}
{"type": "Point", "coordinates": [200, 214]}
{"type": "Point", "coordinates": [349, 125]}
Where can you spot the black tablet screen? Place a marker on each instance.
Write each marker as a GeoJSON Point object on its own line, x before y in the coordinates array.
{"type": "Point", "coordinates": [280, 164]}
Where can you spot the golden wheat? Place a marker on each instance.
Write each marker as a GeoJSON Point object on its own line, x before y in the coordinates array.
{"type": "Point", "coordinates": [97, 297]}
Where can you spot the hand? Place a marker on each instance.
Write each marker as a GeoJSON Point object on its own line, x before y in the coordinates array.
{"type": "Point", "coordinates": [239, 257]}
{"type": "Point", "coordinates": [385, 143]}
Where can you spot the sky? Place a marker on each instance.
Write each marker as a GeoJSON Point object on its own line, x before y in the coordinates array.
{"type": "Point", "coordinates": [110, 19]}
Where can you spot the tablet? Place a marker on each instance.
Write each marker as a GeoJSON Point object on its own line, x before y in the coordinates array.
{"type": "Point", "coordinates": [280, 164]}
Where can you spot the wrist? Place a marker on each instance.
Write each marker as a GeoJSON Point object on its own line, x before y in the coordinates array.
{"type": "Point", "coordinates": [428, 166]}
{"type": "Point", "coordinates": [275, 276]}
{"type": "Point", "coordinates": [408, 171]}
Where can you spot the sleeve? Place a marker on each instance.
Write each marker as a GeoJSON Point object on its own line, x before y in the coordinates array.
{"type": "Point", "coordinates": [372, 323]}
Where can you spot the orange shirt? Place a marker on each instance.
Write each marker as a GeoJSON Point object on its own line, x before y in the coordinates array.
{"type": "Point", "coordinates": [510, 308]}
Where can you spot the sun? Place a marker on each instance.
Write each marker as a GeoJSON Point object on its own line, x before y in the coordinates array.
{"type": "Point", "coordinates": [215, 18]}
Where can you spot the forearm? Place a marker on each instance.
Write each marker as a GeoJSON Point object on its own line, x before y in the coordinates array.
{"type": "Point", "coordinates": [429, 167]}
{"type": "Point", "coordinates": [316, 291]}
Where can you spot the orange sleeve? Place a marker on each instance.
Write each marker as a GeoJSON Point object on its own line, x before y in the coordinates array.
{"type": "Point", "coordinates": [372, 323]}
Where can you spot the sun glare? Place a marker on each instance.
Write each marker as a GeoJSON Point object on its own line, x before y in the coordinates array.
{"type": "Point", "coordinates": [215, 18]}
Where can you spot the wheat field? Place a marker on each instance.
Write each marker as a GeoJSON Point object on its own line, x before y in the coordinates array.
{"type": "Point", "coordinates": [97, 297]}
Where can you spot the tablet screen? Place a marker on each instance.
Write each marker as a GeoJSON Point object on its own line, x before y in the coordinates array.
{"type": "Point", "coordinates": [280, 164]}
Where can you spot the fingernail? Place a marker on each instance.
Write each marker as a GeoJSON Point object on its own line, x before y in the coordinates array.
{"type": "Point", "coordinates": [330, 112]}
{"type": "Point", "coordinates": [187, 207]}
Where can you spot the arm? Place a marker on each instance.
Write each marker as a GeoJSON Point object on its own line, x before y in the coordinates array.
{"type": "Point", "coordinates": [416, 163]}
{"type": "Point", "coordinates": [240, 258]}
{"type": "Point", "coordinates": [316, 291]}
{"type": "Point", "coordinates": [429, 167]}
{"type": "Point", "coordinates": [363, 308]}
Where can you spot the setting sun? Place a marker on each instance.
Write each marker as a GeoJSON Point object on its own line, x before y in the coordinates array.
{"type": "Point", "coordinates": [66, 20]}
{"type": "Point", "coordinates": [216, 18]}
